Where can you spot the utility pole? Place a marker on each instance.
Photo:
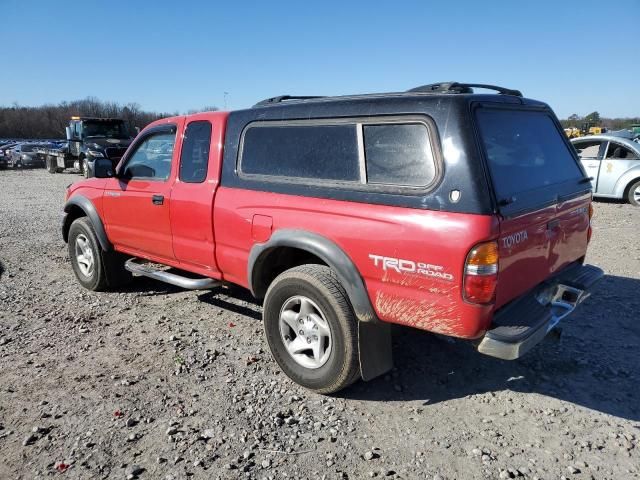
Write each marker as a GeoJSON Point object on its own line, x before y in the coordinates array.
{"type": "Point", "coordinates": [225, 99]}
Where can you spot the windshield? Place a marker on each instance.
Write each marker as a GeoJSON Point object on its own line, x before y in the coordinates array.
{"type": "Point", "coordinates": [114, 129]}
{"type": "Point", "coordinates": [27, 148]}
{"type": "Point", "coordinates": [525, 151]}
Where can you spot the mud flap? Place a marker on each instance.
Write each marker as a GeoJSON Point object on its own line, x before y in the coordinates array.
{"type": "Point", "coordinates": [374, 342]}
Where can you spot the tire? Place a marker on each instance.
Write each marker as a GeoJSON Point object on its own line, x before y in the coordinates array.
{"type": "Point", "coordinates": [51, 167]}
{"type": "Point", "coordinates": [633, 194]}
{"type": "Point", "coordinates": [100, 270]}
{"type": "Point", "coordinates": [84, 170]}
{"type": "Point", "coordinates": [318, 288]}
{"type": "Point", "coordinates": [17, 164]}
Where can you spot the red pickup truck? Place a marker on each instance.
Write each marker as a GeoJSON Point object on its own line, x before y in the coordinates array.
{"type": "Point", "coordinates": [439, 208]}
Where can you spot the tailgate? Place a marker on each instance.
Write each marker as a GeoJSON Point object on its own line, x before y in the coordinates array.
{"type": "Point", "coordinates": [536, 245]}
{"type": "Point", "coordinates": [541, 192]}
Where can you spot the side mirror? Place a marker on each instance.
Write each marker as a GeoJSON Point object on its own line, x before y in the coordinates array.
{"type": "Point", "coordinates": [102, 168]}
{"type": "Point", "coordinates": [68, 132]}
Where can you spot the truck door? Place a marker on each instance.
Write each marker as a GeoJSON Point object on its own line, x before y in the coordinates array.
{"type": "Point", "coordinates": [75, 142]}
{"type": "Point", "coordinates": [137, 202]}
{"type": "Point", "coordinates": [616, 162]}
{"type": "Point", "coordinates": [591, 153]}
{"type": "Point", "coordinates": [193, 192]}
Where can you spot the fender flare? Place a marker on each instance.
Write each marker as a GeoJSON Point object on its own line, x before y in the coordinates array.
{"type": "Point", "coordinates": [84, 204]}
{"type": "Point", "coordinates": [328, 252]}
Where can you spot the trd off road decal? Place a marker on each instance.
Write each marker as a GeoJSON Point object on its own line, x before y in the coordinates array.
{"type": "Point", "coordinates": [408, 266]}
{"type": "Point", "coordinates": [514, 239]}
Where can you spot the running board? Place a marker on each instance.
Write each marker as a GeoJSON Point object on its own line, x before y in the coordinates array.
{"type": "Point", "coordinates": [202, 283]}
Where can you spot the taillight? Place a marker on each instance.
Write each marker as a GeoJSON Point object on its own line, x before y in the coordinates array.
{"type": "Point", "coordinates": [589, 231]}
{"type": "Point", "coordinates": [481, 273]}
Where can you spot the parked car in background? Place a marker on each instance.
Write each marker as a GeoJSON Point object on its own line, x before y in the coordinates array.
{"type": "Point", "coordinates": [23, 155]}
{"type": "Point", "coordinates": [4, 145]}
{"type": "Point", "coordinates": [625, 133]}
{"type": "Point", "coordinates": [613, 163]}
{"type": "Point", "coordinates": [5, 150]}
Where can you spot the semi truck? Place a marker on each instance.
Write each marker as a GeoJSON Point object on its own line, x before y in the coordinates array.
{"type": "Point", "coordinates": [87, 139]}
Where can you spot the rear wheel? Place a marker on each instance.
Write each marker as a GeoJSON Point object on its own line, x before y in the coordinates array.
{"type": "Point", "coordinates": [311, 329]}
{"type": "Point", "coordinates": [633, 196]}
{"type": "Point", "coordinates": [94, 268]}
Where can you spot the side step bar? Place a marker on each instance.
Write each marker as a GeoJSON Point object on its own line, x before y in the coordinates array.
{"type": "Point", "coordinates": [202, 283]}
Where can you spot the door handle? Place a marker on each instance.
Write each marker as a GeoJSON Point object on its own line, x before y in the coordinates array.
{"type": "Point", "coordinates": [157, 199]}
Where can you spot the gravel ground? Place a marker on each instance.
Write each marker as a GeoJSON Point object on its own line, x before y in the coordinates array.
{"type": "Point", "coordinates": [155, 382]}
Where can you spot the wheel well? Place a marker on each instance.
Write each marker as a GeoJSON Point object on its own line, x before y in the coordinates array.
{"type": "Point", "coordinates": [628, 187]}
{"type": "Point", "coordinates": [74, 213]}
{"type": "Point", "coordinates": [275, 261]}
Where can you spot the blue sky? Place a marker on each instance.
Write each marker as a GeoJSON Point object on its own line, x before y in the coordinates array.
{"type": "Point", "coordinates": [579, 56]}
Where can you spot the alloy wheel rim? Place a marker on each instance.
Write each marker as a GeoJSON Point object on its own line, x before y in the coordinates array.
{"type": "Point", "coordinates": [84, 255]}
{"type": "Point", "coordinates": [305, 332]}
{"type": "Point", "coordinates": [636, 194]}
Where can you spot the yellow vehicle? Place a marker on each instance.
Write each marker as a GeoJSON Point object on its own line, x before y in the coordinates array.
{"type": "Point", "coordinates": [572, 132]}
{"type": "Point", "coordinates": [597, 130]}
{"type": "Point", "coordinates": [589, 128]}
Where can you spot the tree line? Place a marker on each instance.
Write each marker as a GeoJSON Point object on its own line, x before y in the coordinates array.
{"type": "Point", "coordinates": [594, 119]}
{"type": "Point", "coordinates": [49, 121]}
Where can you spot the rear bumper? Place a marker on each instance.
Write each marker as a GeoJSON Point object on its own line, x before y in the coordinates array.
{"type": "Point", "coordinates": [523, 323]}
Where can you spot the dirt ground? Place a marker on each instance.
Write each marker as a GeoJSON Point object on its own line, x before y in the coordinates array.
{"type": "Point", "coordinates": [156, 382]}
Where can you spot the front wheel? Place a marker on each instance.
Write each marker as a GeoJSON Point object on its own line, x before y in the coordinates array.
{"type": "Point", "coordinates": [633, 196]}
{"type": "Point", "coordinates": [94, 268]}
{"type": "Point", "coordinates": [84, 168]}
{"type": "Point", "coordinates": [311, 329]}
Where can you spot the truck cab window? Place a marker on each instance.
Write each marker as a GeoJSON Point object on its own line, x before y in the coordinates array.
{"type": "Point", "coordinates": [152, 158]}
{"type": "Point", "coordinates": [194, 158]}
{"type": "Point", "coordinates": [106, 129]}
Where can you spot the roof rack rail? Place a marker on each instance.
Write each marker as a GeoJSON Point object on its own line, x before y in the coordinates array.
{"type": "Point", "coordinates": [282, 98]}
{"type": "Point", "coordinates": [456, 87]}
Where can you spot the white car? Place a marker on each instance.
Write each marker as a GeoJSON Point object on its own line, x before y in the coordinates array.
{"type": "Point", "coordinates": [613, 163]}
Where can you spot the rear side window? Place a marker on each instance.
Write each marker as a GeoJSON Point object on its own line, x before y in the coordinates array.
{"type": "Point", "coordinates": [525, 151]}
{"type": "Point", "coordinates": [323, 152]}
{"type": "Point", "coordinates": [619, 152]}
{"type": "Point", "coordinates": [194, 158]}
{"type": "Point", "coordinates": [357, 152]}
{"type": "Point", "coordinates": [398, 155]}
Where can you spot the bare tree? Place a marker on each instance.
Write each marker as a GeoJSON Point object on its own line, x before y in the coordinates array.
{"type": "Point", "coordinates": [49, 121]}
